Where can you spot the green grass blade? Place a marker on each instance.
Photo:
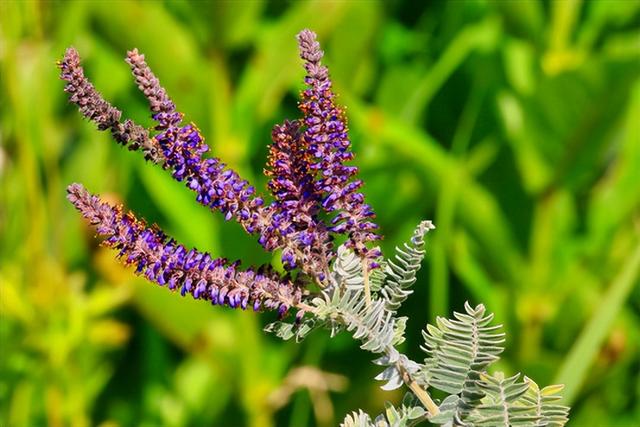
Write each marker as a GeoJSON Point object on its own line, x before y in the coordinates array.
{"type": "Point", "coordinates": [575, 368]}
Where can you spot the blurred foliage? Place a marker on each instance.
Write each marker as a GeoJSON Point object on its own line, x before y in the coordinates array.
{"type": "Point", "coordinates": [514, 125]}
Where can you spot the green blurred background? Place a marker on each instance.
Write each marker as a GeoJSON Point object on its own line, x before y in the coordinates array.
{"type": "Point", "coordinates": [514, 125]}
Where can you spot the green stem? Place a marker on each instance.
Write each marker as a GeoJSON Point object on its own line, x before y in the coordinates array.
{"type": "Point", "coordinates": [367, 288]}
{"type": "Point", "coordinates": [576, 366]}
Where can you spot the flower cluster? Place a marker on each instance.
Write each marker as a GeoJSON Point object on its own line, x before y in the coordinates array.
{"type": "Point", "coordinates": [104, 115]}
{"type": "Point", "coordinates": [308, 177]}
{"type": "Point", "coordinates": [167, 263]}
{"type": "Point", "coordinates": [296, 205]}
{"type": "Point", "coordinates": [327, 141]}
{"type": "Point", "coordinates": [183, 146]}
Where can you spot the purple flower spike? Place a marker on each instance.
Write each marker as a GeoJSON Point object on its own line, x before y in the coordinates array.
{"type": "Point", "coordinates": [155, 256]}
{"type": "Point", "coordinates": [325, 135]}
{"type": "Point", "coordinates": [217, 187]}
{"type": "Point", "coordinates": [179, 147]}
{"type": "Point", "coordinates": [159, 102]}
{"type": "Point", "coordinates": [295, 225]}
{"type": "Point", "coordinates": [98, 110]}
{"type": "Point", "coordinates": [182, 145]}
{"type": "Point", "coordinates": [309, 177]}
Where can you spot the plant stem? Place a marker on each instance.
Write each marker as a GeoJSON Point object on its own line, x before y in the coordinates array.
{"type": "Point", "coordinates": [367, 289]}
{"type": "Point", "coordinates": [419, 392]}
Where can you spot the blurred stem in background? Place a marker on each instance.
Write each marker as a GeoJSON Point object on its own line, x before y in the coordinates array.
{"type": "Point", "coordinates": [445, 209]}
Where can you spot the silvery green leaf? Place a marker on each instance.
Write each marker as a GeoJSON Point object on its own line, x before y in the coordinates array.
{"type": "Point", "coordinates": [393, 417]}
{"type": "Point", "coordinates": [545, 403]}
{"type": "Point", "coordinates": [381, 421]}
{"type": "Point", "coordinates": [391, 357]}
{"type": "Point", "coordinates": [280, 329]}
{"type": "Point", "coordinates": [392, 377]}
{"type": "Point", "coordinates": [447, 411]}
{"type": "Point", "coordinates": [358, 419]}
{"type": "Point", "coordinates": [416, 412]}
{"type": "Point", "coordinates": [347, 270]}
{"type": "Point", "coordinates": [458, 351]}
{"type": "Point", "coordinates": [398, 333]}
{"type": "Point", "coordinates": [401, 270]}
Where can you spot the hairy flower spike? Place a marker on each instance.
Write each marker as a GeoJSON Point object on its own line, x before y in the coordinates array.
{"type": "Point", "coordinates": [163, 261]}
{"type": "Point", "coordinates": [306, 167]}
{"type": "Point", "coordinates": [294, 223]}
{"type": "Point", "coordinates": [179, 147]}
{"type": "Point", "coordinates": [218, 187]}
{"type": "Point", "coordinates": [98, 110]}
{"type": "Point", "coordinates": [312, 54]}
{"type": "Point", "coordinates": [149, 84]}
{"type": "Point", "coordinates": [326, 137]}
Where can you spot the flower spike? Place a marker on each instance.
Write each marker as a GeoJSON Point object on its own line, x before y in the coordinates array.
{"type": "Point", "coordinates": [182, 145]}
{"type": "Point", "coordinates": [178, 147]}
{"type": "Point", "coordinates": [308, 176]}
{"type": "Point", "coordinates": [295, 224]}
{"type": "Point", "coordinates": [148, 83]}
{"type": "Point", "coordinates": [98, 110]}
{"type": "Point", "coordinates": [167, 263]}
{"type": "Point", "coordinates": [327, 141]}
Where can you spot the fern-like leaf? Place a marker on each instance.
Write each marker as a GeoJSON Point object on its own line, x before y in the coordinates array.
{"type": "Point", "coordinates": [457, 348]}
{"type": "Point", "coordinates": [298, 330]}
{"type": "Point", "coordinates": [458, 351]}
{"type": "Point", "coordinates": [401, 271]}
{"type": "Point", "coordinates": [378, 276]}
{"type": "Point", "coordinates": [501, 405]}
{"type": "Point", "coordinates": [346, 275]}
{"type": "Point", "coordinates": [545, 404]}
{"type": "Point", "coordinates": [408, 414]}
{"type": "Point", "coordinates": [372, 325]}
{"type": "Point", "coordinates": [347, 270]}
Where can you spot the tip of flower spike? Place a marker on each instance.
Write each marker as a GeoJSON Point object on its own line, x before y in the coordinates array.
{"type": "Point", "coordinates": [312, 54]}
{"type": "Point", "coordinates": [428, 225]}
{"type": "Point", "coordinates": [71, 58]}
{"type": "Point", "coordinates": [134, 55]}
{"type": "Point", "coordinates": [76, 192]}
{"type": "Point", "coordinates": [149, 84]}
{"type": "Point", "coordinates": [309, 46]}
{"type": "Point", "coordinates": [74, 187]}
{"type": "Point", "coordinates": [82, 93]}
